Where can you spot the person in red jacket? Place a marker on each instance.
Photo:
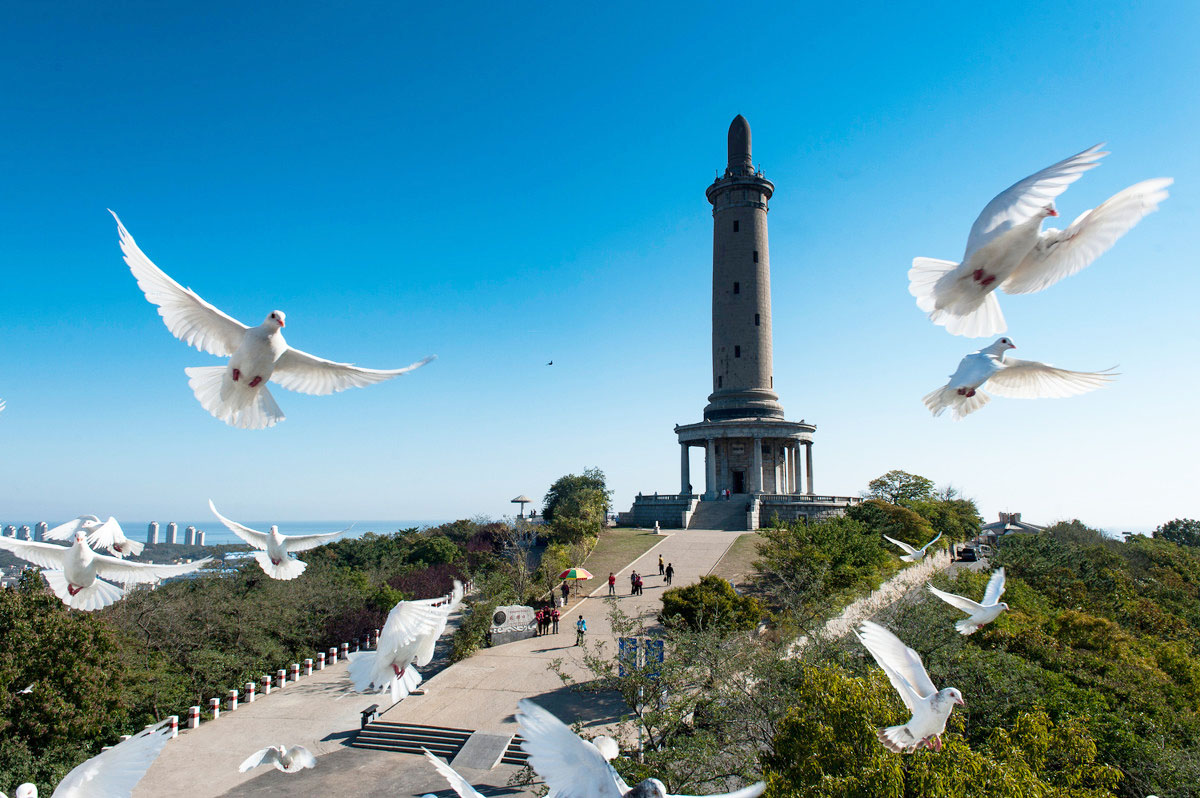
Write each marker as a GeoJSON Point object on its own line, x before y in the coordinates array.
{"type": "Point", "coordinates": [612, 584]}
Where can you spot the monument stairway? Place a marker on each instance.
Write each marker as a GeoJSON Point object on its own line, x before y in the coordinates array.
{"type": "Point", "coordinates": [721, 514]}
{"type": "Point", "coordinates": [410, 738]}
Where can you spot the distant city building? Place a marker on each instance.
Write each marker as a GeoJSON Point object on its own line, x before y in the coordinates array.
{"type": "Point", "coordinates": [25, 533]}
{"type": "Point", "coordinates": [172, 532]}
{"type": "Point", "coordinates": [152, 533]}
{"type": "Point", "coordinates": [191, 536]}
{"type": "Point", "coordinates": [40, 529]}
{"type": "Point", "coordinates": [753, 464]}
{"type": "Point", "coordinates": [10, 531]}
{"type": "Point", "coordinates": [200, 537]}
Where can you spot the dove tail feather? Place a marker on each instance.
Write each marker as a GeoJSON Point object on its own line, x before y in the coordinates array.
{"type": "Point", "coordinates": [923, 278]}
{"type": "Point", "coordinates": [361, 669]}
{"type": "Point", "coordinates": [405, 684]}
{"type": "Point", "coordinates": [952, 301]}
{"type": "Point", "coordinates": [235, 404]}
{"type": "Point", "coordinates": [960, 406]}
{"type": "Point", "coordinates": [966, 627]}
{"type": "Point", "coordinates": [95, 596]}
{"type": "Point", "coordinates": [897, 739]}
{"type": "Point", "coordinates": [289, 568]}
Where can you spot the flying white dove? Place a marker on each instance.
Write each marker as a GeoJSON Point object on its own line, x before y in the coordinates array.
{"type": "Point", "coordinates": [407, 639]}
{"type": "Point", "coordinates": [72, 571]}
{"type": "Point", "coordinates": [2, 405]}
{"type": "Point", "coordinates": [929, 706]}
{"type": "Point", "coordinates": [237, 393]}
{"type": "Point", "coordinates": [112, 773]}
{"type": "Point", "coordinates": [911, 554]}
{"type": "Point", "coordinates": [576, 768]}
{"type": "Point", "coordinates": [1016, 379]}
{"type": "Point", "coordinates": [106, 535]}
{"type": "Point", "coordinates": [289, 760]}
{"type": "Point", "coordinates": [27, 690]}
{"type": "Point", "coordinates": [460, 785]}
{"type": "Point", "coordinates": [1007, 249]}
{"type": "Point", "coordinates": [275, 555]}
{"type": "Point", "coordinates": [981, 614]}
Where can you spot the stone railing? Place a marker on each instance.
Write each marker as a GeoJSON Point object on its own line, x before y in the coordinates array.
{"type": "Point", "coordinates": [665, 497]}
{"type": "Point", "coordinates": [804, 498]}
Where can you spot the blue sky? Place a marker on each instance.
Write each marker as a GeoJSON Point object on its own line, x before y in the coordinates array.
{"type": "Point", "coordinates": [505, 185]}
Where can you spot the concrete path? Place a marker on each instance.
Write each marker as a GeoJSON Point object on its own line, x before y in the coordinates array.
{"type": "Point", "coordinates": [480, 693]}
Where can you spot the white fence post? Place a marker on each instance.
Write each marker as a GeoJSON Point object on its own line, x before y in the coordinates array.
{"type": "Point", "coordinates": [193, 717]}
{"type": "Point", "coordinates": [233, 699]}
{"type": "Point", "coordinates": [295, 672]}
{"type": "Point", "coordinates": [345, 650]}
{"type": "Point", "coordinates": [281, 678]}
{"type": "Point", "coordinates": [250, 692]}
{"type": "Point", "coordinates": [214, 704]}
{"type": "Point", "coordinates": [333, 656]}
{"type": "Point", "coordinates": [266, 684]}
{"type": "Point", "coordinates": [174, 721]}
{"type": "Point", "coordinates": [320, 660]}
{"type": "Point", "coordinates": [308, 667]}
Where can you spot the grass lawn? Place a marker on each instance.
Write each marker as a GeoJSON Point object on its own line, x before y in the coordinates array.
{"type": "Point", "coordinates": [617, 548]}
{"type": "Point", "coordinates": [738, 563]}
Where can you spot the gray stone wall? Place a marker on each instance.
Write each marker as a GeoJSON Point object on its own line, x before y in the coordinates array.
{"type": "Point", "coordinates": [646, 510]}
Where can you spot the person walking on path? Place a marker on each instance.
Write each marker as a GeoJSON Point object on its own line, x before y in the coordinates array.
{"type": "Point", "coordinates": [566, 591]}
{"type": "Point", "coordinates": [580, 630]}
{"type": "Point", "coordinates": [670, 572]}
{"type": "Point", "coordinates": [612, 584]}
{"type": "Point", "coordinates": [633, 583]}
{"type": "Point", "coordinates": [541, 622]}
{"type": "Point", "coordinates": [554, 619]}
{"type": "Point", "coordinates": [637, 588]}
{"type": "Point", "coordinates": [661, 565]}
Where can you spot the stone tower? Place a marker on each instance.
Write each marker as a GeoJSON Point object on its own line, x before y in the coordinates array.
{"type": "Point", "coordinates": [743, 378]}
{"type": "Point", "coordinates": [753, 464]}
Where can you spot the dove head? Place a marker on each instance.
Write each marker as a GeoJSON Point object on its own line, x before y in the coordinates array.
{"type": "Point", "coordinates": [650, 788]}
{"type": "Point", "coordinates": [952, 694]}
{"type": "Point", "coordinates": [1000, 346]}
{"type": "Point", "coordinates": [276, 319]}
{"type": "Point", "coordinates": [26, 790]}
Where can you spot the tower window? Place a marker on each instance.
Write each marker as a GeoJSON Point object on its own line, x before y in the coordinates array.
{"type": "Point", "coordinates": [756, 256]}
{"type": "Point", "coordinates": [756, 320]}
{"type": "Point", "coordinates": [772, 380]}
{"type": "Point", "coordinates": [735, 225]}
{"type": "Point", "coordinates": [737, 288]}
{"type": "Point", "coordinates": [719, 381]}
{"type": "Point", "coordinates": [737, 351]}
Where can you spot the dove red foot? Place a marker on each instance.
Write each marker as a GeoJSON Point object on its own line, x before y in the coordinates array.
{"type": "Point", "coordinates": [1007, 249]}
{"type": "Point", "coordinates": [260, 351]}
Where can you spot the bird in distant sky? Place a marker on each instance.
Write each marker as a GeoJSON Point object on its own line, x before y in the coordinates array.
{"type": "Point", "coordinates": [408, 638]}
{"type": "Point", "coordinates": [289, 760]}
{"type": "Point", "coordinates": [275, 555]}
{"type": "Point", "coordinates": [911, 554]}
{"type": "Point", "coordinates": [112, 773]}
{"type": "Point", "coordinates": [982, 613]}
{"type": "Point", "coordinates": [237, 393]}
{"type": "Point", "coordinates": [1007, 249]}
{"type": "Point", "coordinates": [551, 363]}
{"type": "Point", "coordinates": [1015, 379]}
{"type": "Point", "coordinates": [73, 571]}
{"type": "Point", "coordinates": [929, 706]}
{"type": "Point", "coordinates": [106, 535]}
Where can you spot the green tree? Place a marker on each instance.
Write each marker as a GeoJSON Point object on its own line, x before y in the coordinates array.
{"type": "Point", "coordinates": [893, 520]}
{"type": "Point", "coordinates": [710, 603]}
{"type": "Point", "coordinates": [591, 483]}
{"type": "Point", "coordinates": [1184, 531]}
{"type": "Point", "coordinates": [900, 487]}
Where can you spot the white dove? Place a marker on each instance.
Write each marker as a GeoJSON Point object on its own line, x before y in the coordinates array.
{"type": "Point", "coordinates": [106, 535]}
{"type": "Point", "coordinates": [981, 614]}
{"type": "Point", "coordinates": [460, 785]}
{"type": "Point", "coordinates": [408, 639]}
{"type": "Point", "coordinates": [72, 571]}
{"type": "Point", "coordinates": [289, 760]}
{"type": "Point", "coordinates": [112, 773]}
{"type": "Point", "coordinates": [1015, 379]}
{"type": "Point", "coordinates": [275, 555]}
{"type": "Point", "coordinates": [576, 768]}
{"type": "Point", "coordinates": [1007, 248]}
{"type": "Point", "coordinates": [911, 554]}
{"type": "Point", "coordinates": [27, 690]}
{"type": "Point", "coordinates": [3, 405]}
{"type": "Point", "coordinates": [929, 706]}
{"type": "Point", "coordinates": [236, 393]}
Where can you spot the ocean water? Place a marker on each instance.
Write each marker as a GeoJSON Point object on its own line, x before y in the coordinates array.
{"type": "Point", "coordinates": [216, 534]}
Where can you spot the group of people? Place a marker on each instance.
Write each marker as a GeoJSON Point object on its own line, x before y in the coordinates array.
{"type": "Point", "coordinates": [665, 569]}
{"type": "Point", "coordinates": [547, 620]}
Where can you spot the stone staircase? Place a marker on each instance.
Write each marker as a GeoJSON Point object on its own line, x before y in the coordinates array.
{"type": "Point", "coordinates": [721, 514]}
{"type": "Point", "coordinates": [410, 738]}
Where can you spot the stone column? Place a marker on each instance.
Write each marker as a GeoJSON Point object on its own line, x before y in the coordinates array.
{"type": "Point", "coordinates": [685, 468]}
{"type": "Point", "coordinates": [808, 465]}
{"type": "Point", "coordinates": [756, 474]}
{"type": "Point", "coordinates": [793, 465]}
{"type": "Point", "coordinates": [710, 469]}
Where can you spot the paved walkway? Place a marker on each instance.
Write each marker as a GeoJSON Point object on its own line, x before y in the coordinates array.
{"type": "Point", "coordinates": [480, 693]}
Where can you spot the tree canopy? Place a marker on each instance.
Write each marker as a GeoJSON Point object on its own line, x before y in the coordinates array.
{"type": "Point", "coordinates": [576, 505]}
{"type": "Point", "coordinates": [1184, 531]}
{"type": "Point", "coordinates": [900, 487]}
